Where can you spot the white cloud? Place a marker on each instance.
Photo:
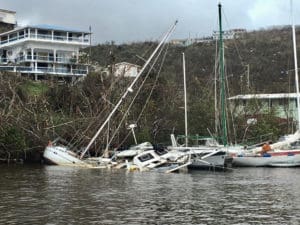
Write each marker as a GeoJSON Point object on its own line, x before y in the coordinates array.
{"type": "Point", "coordinates": [138, 20]}
{"type": "Point", "coordinates": [269, 13]}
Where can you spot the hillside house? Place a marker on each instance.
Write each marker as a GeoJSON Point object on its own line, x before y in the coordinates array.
{"type": "Point", "coordinates": [44, 50]}
{"type": "Point", "coordinates": [284, 104]}
{"type": "Point", "coordinates": [126, 69]}
{"type": "Point", "coordinates": [7, 20]}
{"type": "Point", "coordinates": [229, 34]}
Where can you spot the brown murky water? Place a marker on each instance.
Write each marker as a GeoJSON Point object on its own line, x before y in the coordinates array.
{"type": "Point", "coordinates": [62, 195]}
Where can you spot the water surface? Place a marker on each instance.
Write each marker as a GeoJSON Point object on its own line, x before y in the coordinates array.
{"type": "Point", "coordinates": [64, 195]}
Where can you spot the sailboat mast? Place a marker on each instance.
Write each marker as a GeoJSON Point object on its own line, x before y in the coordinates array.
{"type": "Point", "coordinates": [224, 124]}
{"type": "Point", "coordinates": [296, 65]}
{"type": "Point", "coordinates": [215, 87]}
{"type": "Point", "coordinates": [185, 101]}
{"type": "Point", "coordinates": [129, 89]}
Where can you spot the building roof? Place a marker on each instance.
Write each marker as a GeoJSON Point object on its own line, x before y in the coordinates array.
{"type": "Point", "coordinates": [264, 96]}
{"type": "Point", "coordinates": [7, 11]}
{"type": "Point", "coordinates": [47, 27]}
{"type": "Point", "coordinates": [58, 28]}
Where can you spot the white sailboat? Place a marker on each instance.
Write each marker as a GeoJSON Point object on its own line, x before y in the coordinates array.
{"type": "Point", "coordinates": [59, 154]}
{"type": "Point", "coordinates": [283, 153]}
{"type": "Point", "coordinates": [206, 155]}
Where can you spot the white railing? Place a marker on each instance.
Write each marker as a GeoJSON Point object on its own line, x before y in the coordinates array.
{"type": "Point", "coordinates": [57, 70]}
{"type": "Point", "coordinates": [61, 71]}
{"type": "Point", "coordinates": [45, 70]}
{"type": "Point", "coordinates": [4, 42]}
{"type": "Point", "coordinates": [13, 38]}
{"type": "Point", "coordinates": [3, 60]}
{"type": "Point", "coordinates": [75, 71]}
{"type": "Point", "coordinates": [38, 58]}
{"type": "Point", "coordinates": [41, 36]}
{"type": "Point", "coordinates": [45, 37]}
{"type": "Point", "coordinates": [65, 59]}
{"type": "Point", "coordinates": [60, 38]}
{"type": "Point", "coordinates": [42, 59]}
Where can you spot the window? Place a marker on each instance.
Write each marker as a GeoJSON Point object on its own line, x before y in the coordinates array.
{"type": "Point", "coordinates": [145, 157]}
{"type": "Point", "coordinates": [161, 152]}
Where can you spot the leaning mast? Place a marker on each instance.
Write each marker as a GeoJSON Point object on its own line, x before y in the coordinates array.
{"type": "Point", "coordinates": [129, 89]}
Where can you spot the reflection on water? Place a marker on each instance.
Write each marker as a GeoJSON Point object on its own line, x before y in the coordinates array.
{"type": "Point", "coordinates": [63, 195]}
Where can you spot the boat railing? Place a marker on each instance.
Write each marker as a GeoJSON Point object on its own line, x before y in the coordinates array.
{"type": "Point", "coordinates": [257, 141]}
{"type": "Point", "coordinates": [201, 140]}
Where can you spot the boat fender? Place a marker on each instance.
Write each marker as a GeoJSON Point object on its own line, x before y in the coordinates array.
{"type": "Point", "coordinates": [133, 168]}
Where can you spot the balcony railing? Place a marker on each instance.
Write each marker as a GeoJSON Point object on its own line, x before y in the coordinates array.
{"type": "Point", "coordinates": [45, 70]}
{"type": "Point", "coordinates": [46, 37]}
{"type": "Point", "coordinates": [60, 70]}
{"type": "Point", "coordinates": [3, 60]}
{"type": "Point", "coordinates": [40, 59]}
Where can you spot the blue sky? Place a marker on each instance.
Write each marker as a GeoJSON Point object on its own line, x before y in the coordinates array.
{"type": "Point", "coordinates": [140, 20]}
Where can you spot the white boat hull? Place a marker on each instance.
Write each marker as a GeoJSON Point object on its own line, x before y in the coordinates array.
{"type": "Point", "coordinates": [274, 159]}
{"type": "Point", "coordinates": [205, 157]}
{"type": "Point", "coordinates": [214, 161]}
{"type": "Point", "coordinates": [60, 155]}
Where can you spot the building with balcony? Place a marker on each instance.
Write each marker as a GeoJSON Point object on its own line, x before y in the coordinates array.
{"type": "Point", "coordinates": [44, 50]}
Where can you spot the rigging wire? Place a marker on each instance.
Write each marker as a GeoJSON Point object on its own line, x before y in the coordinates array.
{"type": "Point", "coordinates": [234, 41]}
{"type": "Point", "coordinates": [82, 137]}
{"type": "Point", "coordinates": [150, 94]}
{"type": "Point", "coordinates": [138, 91]}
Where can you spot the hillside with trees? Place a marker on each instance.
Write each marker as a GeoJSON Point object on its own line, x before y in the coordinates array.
{"type": "Point", "coordinates": [32, 113]}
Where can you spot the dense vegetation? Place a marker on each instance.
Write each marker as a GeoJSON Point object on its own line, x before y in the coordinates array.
{"type": "Point", "coordinates": [31, 113]}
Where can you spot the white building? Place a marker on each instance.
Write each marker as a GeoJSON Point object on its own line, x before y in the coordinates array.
{"type": "Point", "coordinates": [229, 34]}
{"type": "Point", "coordinates": [43, 49]}
{"type": "Point", "coordinates": [285, 104]}
{"type": "Point", "coordinates": [181, 42]}
{"type": "Point", "coordinates": [8, 17]}
{"type": "Point", "coordinates": [126, 69]}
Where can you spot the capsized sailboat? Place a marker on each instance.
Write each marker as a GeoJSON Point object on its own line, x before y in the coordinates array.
{"type": "Point", "coordinates": [60, 154]}
{"type": "Point", "coordinates": [207, 154]}
{"type": "Point", "coordinates": [57, 153]}
{"type": "Point", "coordinates": [160, 160]}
